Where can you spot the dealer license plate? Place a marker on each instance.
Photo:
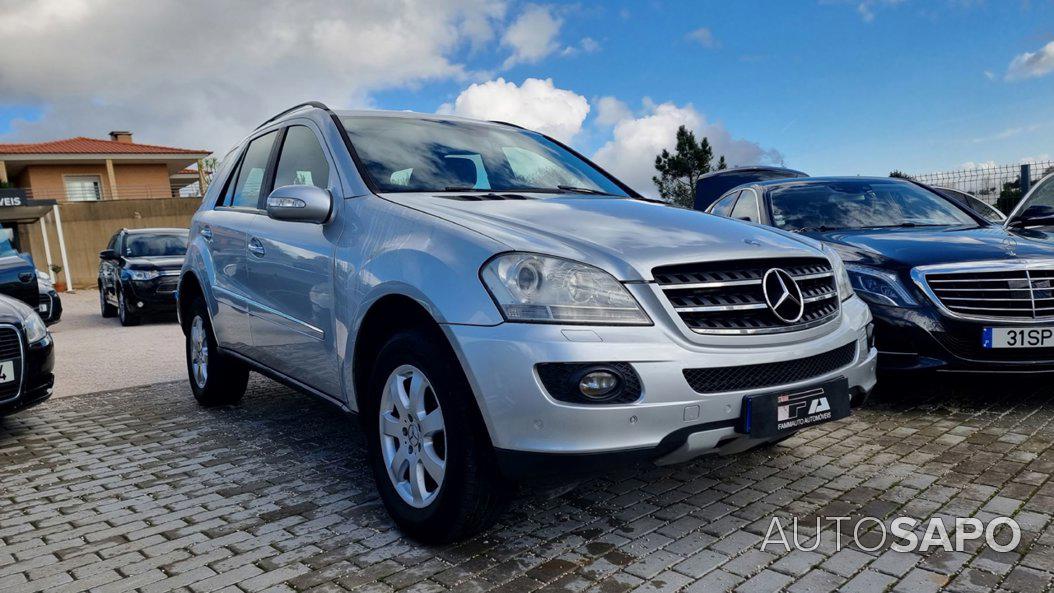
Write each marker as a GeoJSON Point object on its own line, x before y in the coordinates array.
{"type": "Point", "coordinates": [1017, 337]}
{"type": "Point", "coordinates": [771, 414]}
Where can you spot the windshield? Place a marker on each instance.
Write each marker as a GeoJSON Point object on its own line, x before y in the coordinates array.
{"type": "Point", "coordinates": [861, 204]}
{"type": "Point", "coordinates": [155, 245]}
{"type": "Point", "coordinates": [420, 155]}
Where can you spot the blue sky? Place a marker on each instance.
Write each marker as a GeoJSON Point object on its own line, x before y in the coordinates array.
{"type": "Point", "coordinates": [830, 87]}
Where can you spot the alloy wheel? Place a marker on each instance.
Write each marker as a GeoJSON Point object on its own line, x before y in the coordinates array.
{"type": "Point", "coordinates": [199, 352]}
{"type": "Point", "coordinates": [413, 436]}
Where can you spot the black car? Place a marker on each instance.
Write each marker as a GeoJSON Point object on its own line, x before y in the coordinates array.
{"type": "Point", "coordinates": [713, 185]}
{"type": "Point", "coordinates": [948, 290]}
{"type": "Point", "coordinates": [139, 273]}
{"type": "Point", "coordinates": [27, 357]}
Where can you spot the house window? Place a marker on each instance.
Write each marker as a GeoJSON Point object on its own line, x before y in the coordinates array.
{"type": "Point", "coordinates": [83, 188]}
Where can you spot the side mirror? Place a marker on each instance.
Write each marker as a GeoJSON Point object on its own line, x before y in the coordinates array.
{"type": "Point", "coordinates": [300, 203]}
{"type": "Point", "coordinates": [1035, 215]}
{"type": "Point", "coordinates": [108, 255]}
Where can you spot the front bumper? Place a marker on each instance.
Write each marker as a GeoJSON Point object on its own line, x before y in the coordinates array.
{"type": "Point", "coordinates": [38, 379]}
{"type": "Point", "coordinates": [923, 339]}
{"type": "Point", "coordinates": [50, 307]}
{"type": "Point", "coordinates": [150, 296]}
{"type": "Point", "coordinates": [669, 423]}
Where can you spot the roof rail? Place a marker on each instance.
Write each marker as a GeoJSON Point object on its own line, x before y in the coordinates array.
{"type": "Point", "coordinates": [315, 104]}
{"type": "Point", "coordinates": [505, 123]}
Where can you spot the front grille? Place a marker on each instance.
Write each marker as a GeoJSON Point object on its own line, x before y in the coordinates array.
{"type": "Point", "coordinates": [167, 284]}
{"type": "Point", "coordinates": [769, 374]}
{"type": "Point", "coordinates": [727, 297]}
{"type": "Point", "coordinates": [10, 351]}
{"type": "Point", "coordinates": [998, 294]}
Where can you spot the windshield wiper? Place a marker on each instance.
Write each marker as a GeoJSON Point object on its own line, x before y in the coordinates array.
{"type": "Point", "coordinates": [902, 225]}
{"type": "Point", "coordinates": [809, 229]}
{"type": "Point", "coordinates": [584, 190]}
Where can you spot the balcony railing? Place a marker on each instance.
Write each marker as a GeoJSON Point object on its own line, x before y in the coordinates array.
{"type": "Point", "coordinates": [92, 193]}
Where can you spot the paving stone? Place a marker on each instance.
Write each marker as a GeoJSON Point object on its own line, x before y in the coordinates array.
{"type": "Point", "coordinates": [140, 489]}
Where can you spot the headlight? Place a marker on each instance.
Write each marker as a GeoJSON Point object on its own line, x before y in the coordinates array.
{"type": "Point", "coordinates": [880, 287]}
{"type": "Point", "coordinates": [143, 274]}
{"type": "Point", "coordinates": [543, 289]}
{"type": "Point", "coordinates": [44, 278]}
{"type": "Point", "coordinates": [35, 328]}
{"type": "Point", "coordinates": [845, 288]}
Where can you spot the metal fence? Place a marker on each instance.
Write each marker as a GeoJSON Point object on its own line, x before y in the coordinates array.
{"type": "Point", "coordinates": [989, 181]}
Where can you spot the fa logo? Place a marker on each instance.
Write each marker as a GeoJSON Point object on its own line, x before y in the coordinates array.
{"type": "Point", "coordinates": [819, 405]}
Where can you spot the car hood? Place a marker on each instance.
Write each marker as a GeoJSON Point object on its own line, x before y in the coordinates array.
{"type": "Point", "coordinates": [909, 247]}
{"type": "Point", "coordinates": [161, 262]}
{"type": "Point", "coordinates": [626, 237]}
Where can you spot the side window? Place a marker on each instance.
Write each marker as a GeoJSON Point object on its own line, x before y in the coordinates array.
{"type": "Point", "coordinates": [301, 161]}
{"type": "Point", "coordinates": [747, 207]}
{"type": "Point", "coordinates": [723, 207]}
{"type": "Point", "coordinates": [250, 180]}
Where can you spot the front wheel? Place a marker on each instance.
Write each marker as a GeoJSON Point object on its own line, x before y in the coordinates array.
{"type": "Point", "coordinates": [430, 455]}
{"type": "Point", "coordinates": [215, 378]}
{"type": "Point", "coordinates": [123, 313]}
{"type": "Point", "coordinates": [106, 308]}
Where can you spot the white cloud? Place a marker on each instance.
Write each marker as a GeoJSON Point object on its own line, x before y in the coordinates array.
{"type": "Point", "coordinates": [201, 74]}
{"type": "Point", "coordinates": [704, 37]}
{"type": "Point", "coordinates": [610, 111]}
{"type": "Point", "coordinates": [536, 104]}
{"type": "Point", "coordinates": [532, 36]}
{"type": "Point", "coordinates": [1032, 64]}
{"type": "Point", "coordinates": [587, 45]}
{"type": "Point", "coordinates": [630, 154]}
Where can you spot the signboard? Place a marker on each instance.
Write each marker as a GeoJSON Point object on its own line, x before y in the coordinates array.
{"type": "Point", "coordinates": [12, 196]}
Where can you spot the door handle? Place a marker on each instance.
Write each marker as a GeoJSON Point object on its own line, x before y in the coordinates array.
{"type": "Point", "coordinates": [206, 232]}
{"type": "Point", "coordinates": [256, 247]}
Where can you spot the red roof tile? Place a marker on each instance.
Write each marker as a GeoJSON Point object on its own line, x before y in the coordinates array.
{"type": "Point", "coordinates": [82, 145]}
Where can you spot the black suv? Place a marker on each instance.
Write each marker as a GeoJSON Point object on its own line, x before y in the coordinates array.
{"type": "Point", "coordinates": [949, 290]}
{"type": "Point", "coordinates": [139, 272]}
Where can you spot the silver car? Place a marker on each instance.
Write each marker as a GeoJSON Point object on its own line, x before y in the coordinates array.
{"type": "Point", "coordinates": [495, 307]}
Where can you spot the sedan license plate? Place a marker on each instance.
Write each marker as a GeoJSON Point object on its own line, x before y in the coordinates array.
{"type": "Point", "coordinates": [1017, 337]}
{"type": "Point", "coordinates": [770, 414]}
{"type": "Point", "coordinates": [7, 371]}
{"type": "Point", "coordinates": [42, 308]}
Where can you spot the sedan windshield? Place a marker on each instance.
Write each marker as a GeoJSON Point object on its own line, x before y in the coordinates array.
{"type": "Point", "coordinates": [423, 155]}
{"type": "Point", "coordinates": [170, 244]}
{"type": "Point", "coordinates": [861, 204]}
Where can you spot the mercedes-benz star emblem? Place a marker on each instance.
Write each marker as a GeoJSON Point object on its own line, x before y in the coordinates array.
{"type": "Point", "coordinates": [783, 295]}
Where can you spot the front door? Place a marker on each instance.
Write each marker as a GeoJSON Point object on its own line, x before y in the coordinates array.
{"type": "Point", "coordinates": [291, 273]}
{"type": "Point", "coordinates": [225, 230]}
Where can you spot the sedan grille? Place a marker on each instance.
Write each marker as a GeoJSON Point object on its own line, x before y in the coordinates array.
{"type": "Point", "coordinates": [998, 294]}
{"type": "Point", "coordinates": [769, 374]}
{"type": "Point", "coordinates": [11, 351]}
{"type": "Point", "coordinates": [728, 298]}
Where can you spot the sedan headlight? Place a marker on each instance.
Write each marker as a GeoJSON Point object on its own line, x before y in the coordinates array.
{"type": "Point", "coordinates": [542, 289]}
{"type": "Point", "coordinates": [34, 327]}
{"type": "Point", "coordinates": [845, 287]}
{"type": "Point", "coordinates": [143, 274]}
{"type": "Point", "coordinates": [880, 287]}
{"type": "Point", "coordinates": [44, 278]}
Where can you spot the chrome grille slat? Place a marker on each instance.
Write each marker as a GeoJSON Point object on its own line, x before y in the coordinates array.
{"type": "Point", "coordinates": [727, 298]}
{"type": "Point", "coordinates": [1014, 291]}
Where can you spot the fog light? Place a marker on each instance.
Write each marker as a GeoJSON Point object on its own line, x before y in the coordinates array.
{"type": "Point", "coordinates": [139, 304]}
{"type": "Point", "coordinates": [598, 384]}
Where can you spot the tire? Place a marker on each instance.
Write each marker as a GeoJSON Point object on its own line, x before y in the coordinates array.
{"type": "Point", "coordinates": [126, 317]}
{"type": "Point", "coordinates": [105, 308]}
{"type": "Point", "coordinates": [469, 493]}
{"type": "Point", "coordinates": [215, 379]}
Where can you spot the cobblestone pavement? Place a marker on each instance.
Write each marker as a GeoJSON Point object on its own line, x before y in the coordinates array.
{"type": "Point", "coordinates": [139, 489]}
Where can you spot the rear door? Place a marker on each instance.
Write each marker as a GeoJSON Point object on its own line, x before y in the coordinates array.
{"type": "Point", "coordinates": [291, 270]}
{"type": "Point", "coordinates": [225, 229]}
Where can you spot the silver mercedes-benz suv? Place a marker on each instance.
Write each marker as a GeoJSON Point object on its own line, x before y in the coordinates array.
{"type": "Point", "coordinates": [495, 307]}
